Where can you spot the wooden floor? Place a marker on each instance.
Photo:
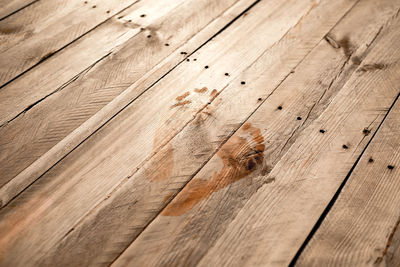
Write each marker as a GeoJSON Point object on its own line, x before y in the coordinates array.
{"type": "Point", "coordinates": [199, 133]}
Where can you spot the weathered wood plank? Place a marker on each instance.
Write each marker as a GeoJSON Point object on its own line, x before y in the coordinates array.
{"type": "Point", "coordinates": [34, 142]}
{"type": "Point", "coordinates": [273, 224]}
{"type": "Point", "coordinates": [360, 228]}
{"type": "Point", "coordinates": [65, 66]}
{"type": "Point", "coordinates": [95, 168]}
{"type": "Point", "coordinates": [203, 209]}
{"type": "Point", "coordinates": [45, 27]}
{"type": "Point", "coordinates": [8, 7]}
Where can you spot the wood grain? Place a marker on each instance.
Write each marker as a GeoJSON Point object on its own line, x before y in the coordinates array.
{"type": "Point", "coordinates": [43, 28]}
{"type": "Point", "coordinates": [63, 189]}
{"type": "Point", "coordinates": [201, 212]}
{"type": "Point", "coordinates": [10, 7]}
{"type": "Point", "coordinates": [359, 229]}
{"type": "Point", "coordinates": [34, 142]}
{"type": "Point", "coordinates": [64, 67]}
{"type": "Point", "coordinates": [276, 220]}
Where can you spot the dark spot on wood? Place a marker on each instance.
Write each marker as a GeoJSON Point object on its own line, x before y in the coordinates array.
{"type": "Point", "coordinates": [85, 2]}
{"type": "Point", "coordinates": [195, 59]}
{"type": "Point", "coordinates": [299, 118]}
{"type": "Point", "coordinates": [11, 29]}
{"type": "Point", "coordinates": [187, 60]}
{"type": "Point", "coordinates": [322, 131]}
{"type": "Point", "coordinates": [356, 60]}
{"type": "Point", "coordinates": [292, 71]}
{"type": "Point", "coordinates": [370, 160]}
{"type": "Point", "coordinates": [183, 96]}
{"type": "Point", "coordinates": [242, 82]}
{"type": "Point", "coordinates": [345, 147]}
{"type": "Point", "coordinates": [240, 157]}
{"type": "Point", "coordinates": [206, 67]}
{"type": "Point", "coordinates": [366, 131]}
{"type": "Point", "coordinates": [270, 180]}
{"type": "Point", "coordinates": [202, 90]}
{"type": "Point", "coordinates": [226, 74]}
{"type": "Point", "coordinates": [94, 6]}
{"type": "Point", "coordinates": [143, 15]}
{"type": "Point", "coordinates": [120, 17]}
{"type": "Point", "coordinates": [148, 36]}
{"type": "Point", "coordinates": [183, 53]}
{"type": "Point", "coordinates": [108, 11]}
{"type": "Point", "coordinates": [166, 44]}
{"type": "Point", "coordinates": [390, 167]}
{"type": "Point", "coordinates": [345, 44]}
{"type": "Point", "coordinates": [372, 67]}
{"type": "Point", "coordinates": [280, 107]}
{"type": "Point", "coordinates": [259, 99]}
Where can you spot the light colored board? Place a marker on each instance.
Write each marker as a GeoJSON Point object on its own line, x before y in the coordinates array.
{"type": "Point", "coordinates": [65, 66]}
{"type": "Point", "coordinates": [200, 213]}
{"type": "Point", "coordinates": [8, 7]}
{"type": "Point", "coordinates": [34, 142]}
{"type": "Point", "coordinates": [275, 221]}
{"type": "Point", "coordinates": [114, 223]}
{"type": "Point", "coordinates": [95, 168]}
{"type": "Point", "coordinates": [45, 27]}
{"type": "Point", "coordinates": [360, 227]}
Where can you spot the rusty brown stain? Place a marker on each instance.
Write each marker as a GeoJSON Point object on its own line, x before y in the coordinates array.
{"type": "Point", "coordinates": [213, 93]}
{"type": "Point", "coordinates": [182, 103]}
{"type": "Point", "coordinates": [11, 29]}
{"type": "Point", "coordinates": [240, 158]}
{"type": "Point", "coordinates": [161, 169]}
{"type": "Point", "coordinates": [14, 225]}
{"type": "Point", "coordinates": [202, 90]}
{"type": "Point", "coordinates": [181, 97]}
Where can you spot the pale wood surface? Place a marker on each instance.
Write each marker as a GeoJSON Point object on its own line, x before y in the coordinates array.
{"type": "Point", "coordinates": [182, 133]}
{"type": "Point", "coordinates": [360, 228]}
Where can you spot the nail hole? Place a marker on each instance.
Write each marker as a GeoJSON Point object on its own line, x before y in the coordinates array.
{"type": "Point", "coordinates": [166, 44]}
{"type": "Point", "coordinates": [183, 53]}
{"type": "Point", "coordinates": [130, 20]}
{"type": "Point", "coordinates": [366, 131]}
{"type": "Point", "coordinates": [390, 167]}
{"type": "Point", "coordinates": [259, 99]}
{"type": "Point", "coordinates": [242, 82]}
{"type": "Point", "coordinates": [371, 160]}
{"type": "Point", "coordinates": [226, 74]}
{"type": "Point", "coordinates": [143, 15]}
{"type": "Point", "coordinates": [187, 59]}
{"type": "Point", "coordinates": [94, 6]}
{"type": "Point", "coordinates": [322, 131]}
{"type": "Point", "coordinates": [108, 11]}
{"type": "Point", "coordinates": [206, 67]}
{"type": "Point", "coordinates": [148, 36]}
{"type": "Point", "coordinates": [299, 118]}
{"type": "Point", "coordinates": [120, 17]}
{"type": "Point", "coordinates": [195, 59]}
{"type": "Point", "coordinates": [280, 107]}
{"type": "Point", "coordinates": [345, 146]}
{"type": "Point", "coordinates": [86, 2]}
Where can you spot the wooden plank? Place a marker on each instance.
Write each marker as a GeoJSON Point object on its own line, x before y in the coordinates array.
{"type": "Point", "coordinates": [127, 211]}
{"type": "Point", "coordinates": [95, 168]}
{"type": "Point", "coordinates": [8, 7]}
{"type": "Point", "coordinates": [55, 73]}
{"type": "Point", "coordinates": [201, 212]}
{"type": "Point", "coordinates": [45, 27]}
{"type": "Point", "coordinates": [360, 227]}
{"type": "Point", "coordinates": [40, 133]}
{"type": "Point", "coordinates": [273, 224]}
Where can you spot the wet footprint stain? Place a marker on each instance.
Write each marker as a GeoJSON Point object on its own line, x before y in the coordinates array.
{"type": "Point", "coordinates": [240, 157]}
